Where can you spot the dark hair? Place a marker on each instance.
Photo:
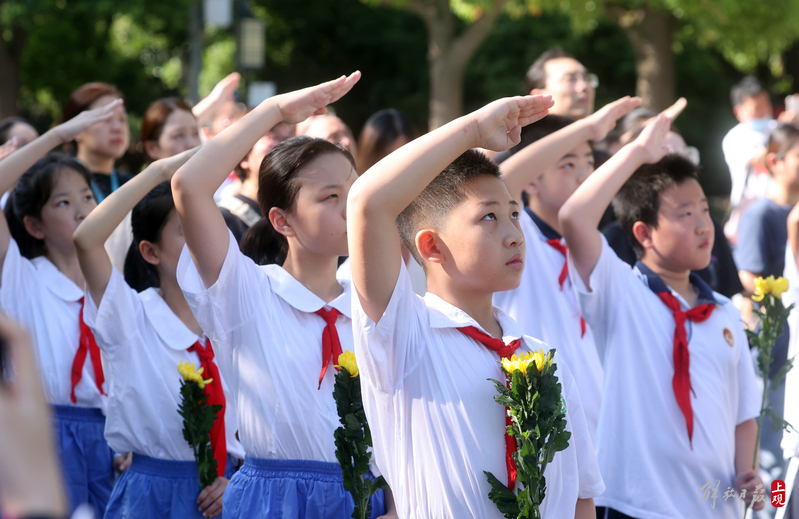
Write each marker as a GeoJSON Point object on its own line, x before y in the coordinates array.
{"type": "Point", "coordinates": [32, 192]}
{"type": "Point", "coordinates": [157, 113]}
{"type": "Point", "coordinates": [278, 187]}
{"type": "Point", "coordinates": [536, 76]}
{"type": "Point", "coordinates": [7, 124]}
{"type": "Point", "coordinates": [147, 222]}
{"type": "Point", "coordinates": [784, 137]}
{"type": "Point", "coordinates": [749, 86]}
{"type": "Point", "coordinates": [442, 196]}
{"type": "Point", "coordinates": [639, 198]}
{"type": "Point", "coordinates": [380, 131]}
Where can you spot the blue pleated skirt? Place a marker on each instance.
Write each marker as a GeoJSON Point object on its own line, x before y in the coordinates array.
{"type": "Point", "coordinates": [86, 458]}
{"type": "Point", "coordinates": [291, 489]}
{"type": "Point", "coordinates": [153, 488]}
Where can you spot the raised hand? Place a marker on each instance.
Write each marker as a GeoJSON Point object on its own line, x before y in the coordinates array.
{"type": "Point", "coordinates": [650, 142]}
{"type": "Point", "coordinates": [676, 109]}
{"type": "Point", "coordinates": [68, 130]}
{"type": "Point", "coordinates": [301, 104]}
{"type": "Point", "coordinates": [9, 147]}
{"type": "Point", "coordinates": [604, 119]}
{"type": "Point", "coordinates": [499, 124]}
{"type": "Point", "coordinates": [223, 91]}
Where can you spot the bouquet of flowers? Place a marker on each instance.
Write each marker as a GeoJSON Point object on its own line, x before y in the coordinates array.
{"type": "Point", "coordinates": [198, 419]}
{"type": "Point", "coordinates": [354, 438]}
{"type": "Point", "coordinates": [773, 315]}
{"type": "Point", "coordinates": [537, 411]}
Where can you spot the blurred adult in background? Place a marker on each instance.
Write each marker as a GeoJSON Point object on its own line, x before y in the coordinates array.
{"type": "Point", "coordinates": [241, 211]}
{"type": "Point", "coordinates": [98, 148]}
{"type": "Point", "coordinates": [744, 148]}
{"type": "Point", "coordinates": [168, 128]}
{"type": "Point", "coordinates": [330, 128]}
{"type": "Point", "coordinates": [101, 145]}
{"type": "Point", "coordinates": [384, 132]}
{"type": "Point", "coordinates": [571, 85]}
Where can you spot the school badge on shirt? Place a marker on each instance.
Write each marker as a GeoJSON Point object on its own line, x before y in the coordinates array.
{"type": "Point", "coordinates": [728, 337]}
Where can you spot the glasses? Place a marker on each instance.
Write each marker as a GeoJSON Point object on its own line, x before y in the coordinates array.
{"type": "Point", "coordinates": [589, 79]}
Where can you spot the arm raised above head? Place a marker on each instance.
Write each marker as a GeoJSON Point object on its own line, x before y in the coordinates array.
{"type": "Point", "coordinates": [383, 192]}
{"type": "Point", "coordinates": [580, 215]}
{"type": "Point", "coordinates": [196, 181]}
{"type": "Point", "coordinates": [92, 233]}
{"type": "Point", "coordinates": [519, 169]}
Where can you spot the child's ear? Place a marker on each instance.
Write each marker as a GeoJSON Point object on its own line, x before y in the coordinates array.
{"type": "Point", "coordinates": [532, 189]}
{"type": "Point", "coordinates": [279, 221]}
{"type": "Point", "coordinates": [245, 162]}
{"type": "Point", "coordinates": [771, 161]}
{"type": "Point", "coordinates": [149, 252]}
{"type": "Point", "coordinates": [428, 247]}
{"type": "Point", "coordinates": [643, 233]}
{"type": "Point", "coordinates": [33, 226]}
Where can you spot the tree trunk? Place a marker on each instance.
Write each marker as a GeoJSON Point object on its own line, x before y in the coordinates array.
{"type": "Point", "coordinates": [10, 53]}
{"type": "Point", "coordinates": [651, 33]}
{"type": "Point", "coordinates": [448, 55]}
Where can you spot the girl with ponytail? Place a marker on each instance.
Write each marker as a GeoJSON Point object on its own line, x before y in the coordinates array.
{"type": "Point", "coordinates": [276, 329]}
{"type": "Point", "coordinates": [144, 327]}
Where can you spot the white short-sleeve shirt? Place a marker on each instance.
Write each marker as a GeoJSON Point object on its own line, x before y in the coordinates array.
{"type": "Point", "coordinates": [434, 422]}
{"type": "Point", "coordinates": [544, 310]}
{"type": "Point", "coordinates": [739, 147]}
{"type": "Point", "coordinates": [268, 344]}
{"type": "Point", "coordinates": [650, 469]}
{"type": "Point", "coordinates": [47, 303]}
{"type": "Point", "coordinates": [790, 440]}
{"type": "Point", "coordinates": [143, 342]}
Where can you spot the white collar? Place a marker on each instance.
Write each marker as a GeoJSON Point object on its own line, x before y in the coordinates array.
{"type": "Point", "coordinates": [60, 285]}
{"type": "Point", "coordinates": [445, 315]}
{"type": "Point", "coordinates": [297, 295]}
{"type": "Point", "coordinates": [167, 325]}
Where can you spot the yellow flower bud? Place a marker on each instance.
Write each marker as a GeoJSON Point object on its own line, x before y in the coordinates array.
{"type": "Point", "coordinates": [769, 285]}
{"type": "Point", "coordinates": [347, 361]}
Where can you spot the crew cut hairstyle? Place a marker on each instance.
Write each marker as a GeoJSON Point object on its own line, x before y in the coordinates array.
{"type": "Point", "coordinates": [441, 196]}
{"type": "Point", "coordinates": [639, 198]}
{"type": "Point", "coordinates": [536, 76]}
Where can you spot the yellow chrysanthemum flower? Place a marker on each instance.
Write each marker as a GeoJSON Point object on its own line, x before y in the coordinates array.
{"type": "Point", "coordinates": [521, 362]}
{"type": "Point", "coordinates": [769, 285]}
{"type": "Point", "coordinates": [190, 373]}
{"type": "Point", "coordinates": [347, 360]}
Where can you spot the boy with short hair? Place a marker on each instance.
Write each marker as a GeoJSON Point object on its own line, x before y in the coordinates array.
{"type": "Point", "coordinates": [544, 304]}
{"type": "Point", "coordinates": [677, 427]}
{"type": "Point", "coordinates": [424, 361]}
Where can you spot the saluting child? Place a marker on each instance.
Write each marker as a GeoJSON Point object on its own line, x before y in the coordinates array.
{"type": "Point", "coordinates": [545, 305]}
{"type": "Point", "coordinates": [680, 397]}
{"type": "Point", "coordinates": [41, 286]}
{"type": "Point", "coordinates": [277, 330]}
{"type": "Point", "coordinates": [424, 362]}
{"type": "Point", "coordinates": [145, 327]}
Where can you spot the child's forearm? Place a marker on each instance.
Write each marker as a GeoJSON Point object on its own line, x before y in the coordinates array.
{"type": "Point", "coordinates": [588, 203]}
{"type": "Point", "coordinates": [204, 172]}
{"type": "Point", "coordinates": [519, 169]}
{"type": "Point", "coordinates": [101, 222]}
{"type": "Point", "coordinates": [13, 166]}
{"type": "Point", "coordinates": [393, 183]}
{"type": "Point", "coordinates": [745, 440]}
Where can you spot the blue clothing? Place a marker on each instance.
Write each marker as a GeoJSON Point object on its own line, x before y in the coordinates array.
{"type": "Point", "coordinates": [762, 236]}
{"type": "Point", "coordinates": [291, 489]}
{"type": "Point", "coordinates": [153, 488]}
{"type": "Point", "coordinates": [86, 458]}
